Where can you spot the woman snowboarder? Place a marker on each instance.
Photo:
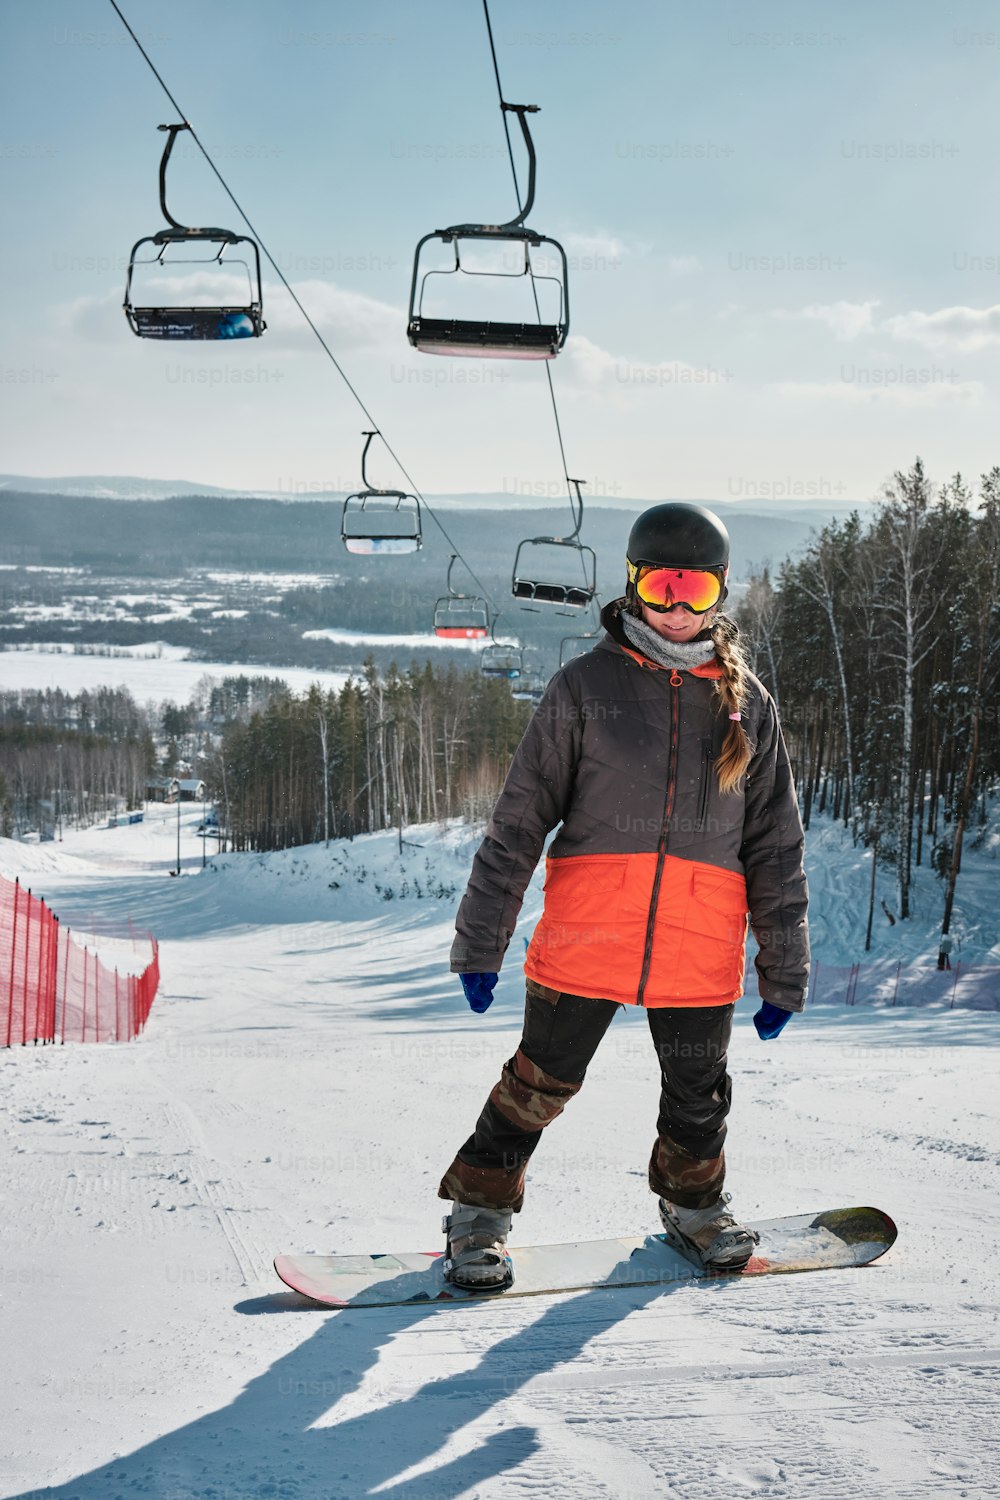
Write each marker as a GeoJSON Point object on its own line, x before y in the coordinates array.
{"type": "Point", "coordinates": [661, 755]}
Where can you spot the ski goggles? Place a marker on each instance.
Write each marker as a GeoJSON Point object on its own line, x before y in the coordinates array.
{"type": "Point", "coordinates": [695, 589]}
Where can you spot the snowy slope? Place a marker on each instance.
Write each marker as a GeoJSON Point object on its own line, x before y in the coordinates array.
{"type": "Point", "coordinates": [306, 1075]}
{"type": "Point", "coordinates": [156, 676]}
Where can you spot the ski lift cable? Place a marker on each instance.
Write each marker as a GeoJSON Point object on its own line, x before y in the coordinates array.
{"type": "Point", "coordinates": [288, 288]}
{"type": "Point", "coordinates": [578, 517]}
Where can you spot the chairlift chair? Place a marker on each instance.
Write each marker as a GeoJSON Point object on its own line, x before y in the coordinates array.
{"type": "Point", "coordinates": [500, 660]}
{"type": "Point", "coordinates": [528, 690]}
{"type": "Point", "coordinates": [239, 320]}
{"type": "Point", "coordinates": [536, 580]}
{"type": "Point", "coordinates": [460, 617]}
{"type": "Point", "coordinates": [380, 521]}
{"type": "Point", "coordinates": [483, 337]}
{"type": "Point", "coordinates": [576, 645]}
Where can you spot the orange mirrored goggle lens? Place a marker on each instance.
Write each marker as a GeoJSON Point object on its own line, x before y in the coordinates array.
{"type": "Point", "coordinates": [694, 588]}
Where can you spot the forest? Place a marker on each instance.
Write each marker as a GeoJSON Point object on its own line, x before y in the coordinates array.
{"type": "Point", "coordinates": [880, 643]}
{"type": "Point", "coordinates": [881, 646]}
{"type": "Point", "coordinates": [879, 640]}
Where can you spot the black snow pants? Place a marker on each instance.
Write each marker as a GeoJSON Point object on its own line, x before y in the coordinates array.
{"type": "Point", "coordinates": [561, 1034]}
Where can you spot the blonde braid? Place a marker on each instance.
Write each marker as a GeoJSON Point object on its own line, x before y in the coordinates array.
{"type": "Point", "coordinates": [732, 688]}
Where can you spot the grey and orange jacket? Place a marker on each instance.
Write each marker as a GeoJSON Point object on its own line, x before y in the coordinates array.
{"type": "Point", "coordinates": [651, 878]}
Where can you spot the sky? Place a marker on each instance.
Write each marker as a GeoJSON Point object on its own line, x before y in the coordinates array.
{"type": "Point", "coordinates": [781, 222]}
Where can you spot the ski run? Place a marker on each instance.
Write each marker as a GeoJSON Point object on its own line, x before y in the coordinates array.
{"type": "Point", "coordinates": [307, 1071]}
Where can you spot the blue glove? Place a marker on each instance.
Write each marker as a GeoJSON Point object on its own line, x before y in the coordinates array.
{"type": "Point", "coordinates": [770, 1020]}
{"type": "Point", "coordinates": [479, 990]}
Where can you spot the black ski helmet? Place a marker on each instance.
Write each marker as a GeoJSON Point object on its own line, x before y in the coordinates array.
{"type": "Point", "coordinates": [679, 535]}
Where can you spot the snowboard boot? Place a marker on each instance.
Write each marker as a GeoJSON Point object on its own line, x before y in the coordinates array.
{"type": "Point", "coordinates": [710, 1237]}
{"type": "Point", "coordinates": [476, 1256]}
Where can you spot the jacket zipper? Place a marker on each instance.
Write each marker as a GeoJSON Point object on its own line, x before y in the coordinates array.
{"type": "Point", "coordinates": [661, 848]}
{"type": "Point", "coordinates": [705, 785]}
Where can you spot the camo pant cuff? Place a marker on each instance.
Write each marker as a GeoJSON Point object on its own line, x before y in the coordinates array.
{"type": "Point", "coordinates": [484, 1187]}
{"type": "Point", "coordinates": [680, 1177]}
{"type": "Point", "coordinates": [529, 1097]}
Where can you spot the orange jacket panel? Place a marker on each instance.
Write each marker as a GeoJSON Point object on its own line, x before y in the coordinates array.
{"type": "Point", "coordinates": [593, 930]}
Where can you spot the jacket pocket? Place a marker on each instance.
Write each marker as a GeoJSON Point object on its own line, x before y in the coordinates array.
{"type": "Point", "coordinates": [587, 872]}
{"type": "Point", "coordinates": [701, 930]}
{"type": "Point", "coordinates": [707, 772]}
{"type": "Point", "coordinates": [583, 896]}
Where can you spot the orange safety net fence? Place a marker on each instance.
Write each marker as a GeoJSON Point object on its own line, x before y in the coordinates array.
{"type": "Point", "coordinates": [53, 989]}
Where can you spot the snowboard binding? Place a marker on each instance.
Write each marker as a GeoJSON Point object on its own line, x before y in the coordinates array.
{"type": "Point", "coordinates": [476, 1258]}
{"type": "Point", "coordinates": [709, 1237]}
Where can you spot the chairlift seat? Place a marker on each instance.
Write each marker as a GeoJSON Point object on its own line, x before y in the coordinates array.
{"type": "Point", "coordinates": [196, 322]}
{"type": "Point", "coordinates": [369, 546]}
{"type": "Point", "coordinates": [381, 522]}
{"type": "Point", "coordinates": [539, 557]}
{"type": "Point", "coordinates": [508, 673]}
{"type": "Point", "coordinates": [505, 662]}
{"type": "Point", "coordinates": [242, 321]}
{"type": "Point", "coordinates": [571, 596]}
{"type": "Point", "coordinates": [576, 645]}
{"type": "Point", "coordinates": [488, 340]}
{"type": "Point", "coordinates": [202, 322]}
{"type": "Point", "coordinates": [458, 617]}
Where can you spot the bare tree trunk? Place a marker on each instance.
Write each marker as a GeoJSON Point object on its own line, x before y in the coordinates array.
{"type": "Point", "coordinates": [962, 813]}
{"type": "Point", "coordinates": [871, 889]}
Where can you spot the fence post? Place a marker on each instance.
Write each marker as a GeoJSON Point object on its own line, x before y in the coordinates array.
{"type": "Point", "coordinates": [40, 977]}
{"type": "Point", "coordinates": [24, 987]}
{"type": "Point", "coordinates": [895, 991]}
{"type": "Point", "coordinates": [65, 934]}
{"type": "Point", "coordinates": [13, 950]}
{"type": "Point", "coordinates": [83, 1022]}
{"type": "Point", "coordinates": [41, 996]}
{"type": "Point", "coordinates": [54, 976]}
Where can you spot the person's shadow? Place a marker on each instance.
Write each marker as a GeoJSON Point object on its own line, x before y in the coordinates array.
{"type": "Point", "coordinates": [264, 1446]}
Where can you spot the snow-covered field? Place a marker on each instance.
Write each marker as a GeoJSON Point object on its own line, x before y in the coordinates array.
{"type": "Point", "coordinates": [410, 642]}
{"type": "Point", "coordinates": [156, 672]}
{"type": "Point", "coordinates": [307, 1072]}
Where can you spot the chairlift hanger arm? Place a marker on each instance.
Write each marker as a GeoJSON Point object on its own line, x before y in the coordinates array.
{"type": "Point", "coordinates": [514, 228]}
{"type": "Point", "coordinates": [576, 505]}
{"type": "Point", "coordinates": [172, 132]}
{"type": "Point", "coordinates": [522, 111]}
{"type": "Point", "coordinates": [178, 231]}
{"type": "Point", "coordinates": [368, 442]}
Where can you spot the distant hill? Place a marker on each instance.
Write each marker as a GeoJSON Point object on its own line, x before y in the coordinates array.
{"type": "Point", "coordinates": [811, 510]}
{"type": "Point", "coordinates": [164, 537]}
{"type": "Point", "coordinates": [108, 486]}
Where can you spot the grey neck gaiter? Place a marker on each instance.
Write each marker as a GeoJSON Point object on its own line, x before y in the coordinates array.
{"type": "Point", "coordinates": [683, 656]}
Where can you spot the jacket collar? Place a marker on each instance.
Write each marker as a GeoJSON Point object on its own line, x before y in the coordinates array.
{"type": "Point", "coordinates": [616, 640]}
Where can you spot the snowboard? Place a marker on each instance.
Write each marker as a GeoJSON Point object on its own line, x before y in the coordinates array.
{"type": "Point", "coordinates": [806, 1242]}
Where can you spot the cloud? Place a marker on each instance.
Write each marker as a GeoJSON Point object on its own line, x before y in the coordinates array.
{"type": "Point", "coordinates": [591, 368]}
{"type": "Point", "coordinates": [682, 265]}
{"type": "Point", "coordinates": [900, 387]}
{"type": "Point", "coordinates": [348, 320]}
{"type": "Point", "coordinates": [963, 329]}
{"type": "Point", "coordinates": [599, 246]}
{"type": "Point", "coordinates": [845, 320]}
